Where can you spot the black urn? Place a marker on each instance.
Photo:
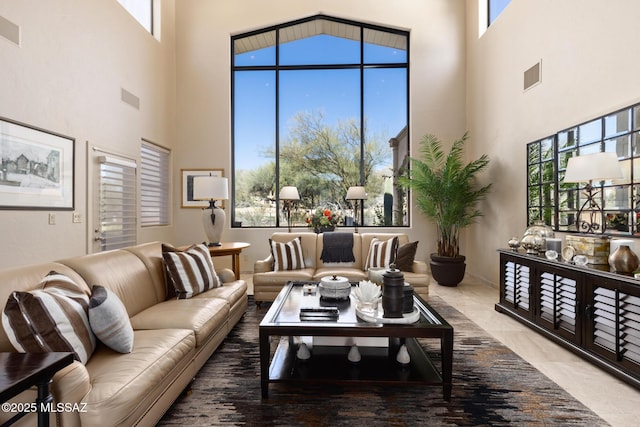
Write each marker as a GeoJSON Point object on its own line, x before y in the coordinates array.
{"type": "Point", "coordinates": [392, 292]}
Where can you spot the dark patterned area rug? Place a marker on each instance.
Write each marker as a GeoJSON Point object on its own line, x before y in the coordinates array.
{"type": "Point", "coordinates": [492, 386]}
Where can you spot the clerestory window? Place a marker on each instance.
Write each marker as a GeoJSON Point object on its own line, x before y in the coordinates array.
{"type": "Point", "coordinates": [495, 8]}
{"type": "Point", "coordinates": [320, 104]}
{"type": "Point", "coordinates": [141, 10]}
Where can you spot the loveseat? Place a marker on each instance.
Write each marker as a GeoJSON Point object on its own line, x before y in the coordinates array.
{"type": "Point", "coordinates": [172, 338]}
{"type": "Point", "coordinates": [268, 281]}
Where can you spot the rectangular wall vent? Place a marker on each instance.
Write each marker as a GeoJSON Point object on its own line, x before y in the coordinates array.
{"type": "Point", "coordinates": [532, 76]}
{"type": "Point", "coordinates": [9, 31]}
{"type": "Point", "coordinates": [130, 98]}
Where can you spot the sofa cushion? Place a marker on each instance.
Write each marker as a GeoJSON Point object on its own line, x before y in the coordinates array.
{"type": "Point", "coordinates": [287, 256]}
{"type": "Point", "coordinates": [122, 384]}
{"type": "Point", "coordinates": [191, 271]}
{"type": "Point", "coordinates": [109, 320]}
{"type": "Point", "coordinates": [282, 277]}
{"type": "Point", "coordinates": [231, 292]}
{"type": "Point", "coordinates": [51, 318]}
{"type": "Point", "coordinates": [203, 316]}
{"type": "Point", "coordinates": [406, 256]}
{"type": "Point", "coordinates": [382, 253]}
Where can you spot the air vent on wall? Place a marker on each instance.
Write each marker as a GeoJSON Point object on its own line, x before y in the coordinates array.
{"type": "Point", "coordinates": [129, 98]}
{"type": "Point", "coordinates": [533, 76]}
{"type": "Point", "coordinates": [9, 30]}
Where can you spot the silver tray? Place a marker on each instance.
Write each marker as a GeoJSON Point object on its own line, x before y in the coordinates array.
{"type": "Point", "coordinates": [377, 316]}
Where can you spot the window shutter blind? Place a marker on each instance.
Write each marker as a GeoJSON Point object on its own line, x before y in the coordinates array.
{"type": "Point", "coordinates": [616, 323]}
{"type": "Point", "coordinates": [154, 186]}
{"type": "Point", "coordinates": [117, 207]}
{"type": "Point", "coordinates": [558, 301]}
{"type": "Point", "coordinates": [517, 285]}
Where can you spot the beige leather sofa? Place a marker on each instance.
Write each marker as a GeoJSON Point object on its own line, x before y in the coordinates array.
{"type": "Point", "coordinates": [268, 283]}
{"type": "Point", "coordinates": [172, 338]}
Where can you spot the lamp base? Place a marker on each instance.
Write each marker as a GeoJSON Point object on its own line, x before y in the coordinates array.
{"type": "Point", "coordinates": [213, 222]}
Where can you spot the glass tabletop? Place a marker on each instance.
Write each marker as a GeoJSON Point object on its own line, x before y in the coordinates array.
{"type": "Point", "coordinates": [296, 296]}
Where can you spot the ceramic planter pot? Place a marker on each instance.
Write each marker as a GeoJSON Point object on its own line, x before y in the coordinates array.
{"type": "Point", "coordinates": [448, 271]}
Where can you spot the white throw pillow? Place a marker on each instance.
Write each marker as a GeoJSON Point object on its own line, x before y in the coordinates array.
{"type": "Point", "coordinates": [109, 320]}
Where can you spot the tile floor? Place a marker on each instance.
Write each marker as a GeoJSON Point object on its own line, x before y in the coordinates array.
{"type": "Point", "coordinates": [613, 400]}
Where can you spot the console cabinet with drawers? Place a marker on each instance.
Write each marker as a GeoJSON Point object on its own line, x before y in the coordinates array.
{"type": "Point", "coordinates": [590, 311]}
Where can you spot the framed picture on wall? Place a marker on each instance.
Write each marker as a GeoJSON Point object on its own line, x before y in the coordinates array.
{"type": "Point", "coordinates": [187, 187]}
{"type": "Point", "coordinates": [36, 168]}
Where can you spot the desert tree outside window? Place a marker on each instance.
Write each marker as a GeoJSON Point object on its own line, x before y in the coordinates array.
{"type": "Point", "coordinates": [320, 104]}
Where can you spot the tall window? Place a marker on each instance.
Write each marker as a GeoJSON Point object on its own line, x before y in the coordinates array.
{"type": "Point", "coordinates": [320, 104]}
{"type": "Point", "coordinates": [155, 176]}
{"type": "Point", "coordinates": [495, 8]}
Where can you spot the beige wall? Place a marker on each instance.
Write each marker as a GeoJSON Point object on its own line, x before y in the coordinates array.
{"type": "Point", "coordinates": [588, 69]}
{"type": "Point", "coordinates": [204, 28]}
{"type": "Point", "coordinates": [66, 76]}
{"type": "Point", "coordinates": [75, 57]}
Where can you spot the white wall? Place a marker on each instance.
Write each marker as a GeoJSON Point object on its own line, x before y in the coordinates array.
{"type": "Point", "coordinates": [66, 77]}
{"type": "Point", "coordinates": [588, 69]}
{"type": "Point", "coordinates": [204, 28]}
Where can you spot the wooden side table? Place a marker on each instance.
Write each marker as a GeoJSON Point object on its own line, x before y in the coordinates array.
{"type": "Point", "coordinates": [230, 248]}
{"type": "Point", "coordinates": [19, 371]}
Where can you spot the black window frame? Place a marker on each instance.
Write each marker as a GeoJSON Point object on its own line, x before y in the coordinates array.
{"type": "Point", "coordinates": [278, 68]}
{"type": "Point", "coordinates": [566, 198]}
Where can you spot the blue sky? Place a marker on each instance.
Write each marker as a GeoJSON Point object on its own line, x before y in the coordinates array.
{"type": "Point", "coordinates": [334, 93]}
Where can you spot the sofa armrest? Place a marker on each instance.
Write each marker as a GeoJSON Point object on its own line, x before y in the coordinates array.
{"type": "Point", "coordinates": [420, 267]}
{"type": "Point", "coordinates": [226, 275]}
{"type": "Point", "coordinates": [263, 265]}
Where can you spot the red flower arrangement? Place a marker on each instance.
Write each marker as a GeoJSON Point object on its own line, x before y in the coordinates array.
{"type": "Point", "coordinates": [324, 218]}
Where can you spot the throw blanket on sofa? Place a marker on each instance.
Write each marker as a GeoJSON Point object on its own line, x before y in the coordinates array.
{"type": "Point", "coordinates": [337, 247]}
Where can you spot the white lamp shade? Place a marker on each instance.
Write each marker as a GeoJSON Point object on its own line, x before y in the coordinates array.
{"type": "Point", "coordinates": [210, 188]}
{"type": "Point", "coordinates": [289, 193]}
{"type": "Point", "coordinates": [356, 193]}
{"type": "Point", "coordinates": [593, 167]}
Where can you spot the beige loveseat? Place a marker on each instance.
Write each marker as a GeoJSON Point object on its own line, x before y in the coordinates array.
{"type": "Point", "coordinates": [173, 338]}
{"type": "Point", "coordinates": [267, 283]}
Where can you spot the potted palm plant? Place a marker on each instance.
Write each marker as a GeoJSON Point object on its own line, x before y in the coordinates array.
{"type": "Point", "coordinates": [447, 193]}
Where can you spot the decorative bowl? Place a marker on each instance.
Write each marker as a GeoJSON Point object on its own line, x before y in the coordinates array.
{"type": "Point", "coordinates": [580, 260]}
{"type": "Point", "coordinates": [334, 287]}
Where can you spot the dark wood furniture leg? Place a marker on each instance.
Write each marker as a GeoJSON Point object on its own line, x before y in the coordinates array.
{"type": "Point", "coordinates": [446, 348]}
{"type": "Point", "coordinates": [265, 351]}
{"type": "Point", "coordinates": [43, 400]}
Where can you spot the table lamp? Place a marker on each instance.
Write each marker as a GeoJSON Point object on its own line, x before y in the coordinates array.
{"type": "Point", "coordinates": [589, 168]}
{"type": "Point", "coordinates": [288, 194]}
{"type": "Point", "coordinates": [211, 188]}
{"type": "Point", "coordinates": [356, 194]}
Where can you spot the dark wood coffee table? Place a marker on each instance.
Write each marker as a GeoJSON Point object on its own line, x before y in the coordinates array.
{"type": "Point", "coordinates": [283, 320]}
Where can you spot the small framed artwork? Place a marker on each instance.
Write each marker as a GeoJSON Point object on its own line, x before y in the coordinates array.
{"type": "Point", "coordinates": [36, 168]}
{"type": "Point", "coordinates": [187, 187]}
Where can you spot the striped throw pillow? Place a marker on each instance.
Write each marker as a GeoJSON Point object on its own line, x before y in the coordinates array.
{"type": "Point", "coordinates": [190, 271]}
{"type": "Point", "coordinates": [50, 318]}
{"type": "Point", "coordinates": [109, 320]}
{"type": "Point", "coordinates": [287, 256]}
{"type": "Point", "coordinates": [382, 253]}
